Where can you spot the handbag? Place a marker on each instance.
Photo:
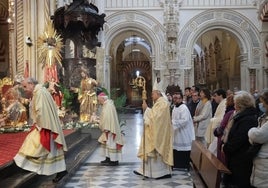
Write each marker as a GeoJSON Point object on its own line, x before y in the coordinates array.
{"type": "Point", "coordinates": [253, 150]}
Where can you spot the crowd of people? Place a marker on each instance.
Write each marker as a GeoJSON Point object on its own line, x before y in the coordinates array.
{"type": "Point", "coordinates": [231, 125]}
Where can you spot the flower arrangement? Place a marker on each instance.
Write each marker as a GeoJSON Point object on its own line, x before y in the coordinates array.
{"type": "Point", "coordinates": [77, 125]}
{"type": "Point", "coordinates": [24, 128]}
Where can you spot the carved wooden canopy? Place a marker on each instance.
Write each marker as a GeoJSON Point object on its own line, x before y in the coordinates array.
{"type": "Point", "coordinates": [80, 22]}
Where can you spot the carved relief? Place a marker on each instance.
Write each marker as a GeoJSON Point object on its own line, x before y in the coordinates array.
{"type": "Point", "coordinates": [171, 20]}
{"type": "Point", "coordinates": [244, 25]}
{"type": "Point", "coordinates": [192, 26]}
{"type": "Point", "coordinates": [156, 28]}
{"type": "Point", "coordinates": [172, 50]}
{"type": "Point", "coordinates": [130, 17]}
{"type": "Point", "coordinates": [172, 31]}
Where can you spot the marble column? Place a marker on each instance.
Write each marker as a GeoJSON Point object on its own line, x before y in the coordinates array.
{"type": "Point", "coordinates": [106, 73]}
{"type": "Point", "coordinates": [46, 11]}
{"type": "Point", "coordinates": [244, 72]}
{"type": "Point", "coordinates": [52, 7]}
{"type": "Point", "coordinates": [252, 78]}
{"type": "Point", "coordinates": [187, 73]}
{"type": "Point", "coordinates": [100, 60]}
{"type": "Point", "coordinates": [154, 76]}
{"type": "Point", "coordinates": [172, 76]}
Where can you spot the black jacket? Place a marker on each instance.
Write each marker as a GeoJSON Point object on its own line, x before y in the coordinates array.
{"type": "Point", "coordinates": [237, 145]}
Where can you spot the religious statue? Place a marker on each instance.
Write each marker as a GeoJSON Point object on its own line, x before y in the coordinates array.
{"type": "Point", "coordinates": [94, 118]}
{"type": "Point", "coordinates": [14, 112]}
{"type": "Point", "coordinates": [172, 50]}
{"type": "Point", "coordinates": [87, 96]}
{"type": "Point", "coordinates": [54, 88]}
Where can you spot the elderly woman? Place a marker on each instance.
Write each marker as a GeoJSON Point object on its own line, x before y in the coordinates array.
{"type": "Point", "coordinates": [237, 144]}
{"type": "Point", "coordinates": [260, 136]}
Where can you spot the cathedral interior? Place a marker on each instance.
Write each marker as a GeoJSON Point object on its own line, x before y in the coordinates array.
{"type": "Point", "coordinates": [128, 46]}
{"type": "Point", "coordinates": [174, 41]}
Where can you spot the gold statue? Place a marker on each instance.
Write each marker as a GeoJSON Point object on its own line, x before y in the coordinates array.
{"type": "Point", "coordinates": [14, 112]}
{"type": "Point", "coordinates": [87, 96]}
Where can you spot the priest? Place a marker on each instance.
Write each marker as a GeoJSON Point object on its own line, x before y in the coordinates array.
{"type": "Point", "coordinates": [156, 149]}
{"type": "Point", "coordinates": [111, 137]}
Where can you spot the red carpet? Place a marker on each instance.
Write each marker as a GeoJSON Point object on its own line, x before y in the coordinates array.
{"type": "Point", "coordinates": [10, 144]}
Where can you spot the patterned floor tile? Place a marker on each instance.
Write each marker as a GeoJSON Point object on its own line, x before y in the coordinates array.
{"type": "Point", "coordinates": [98, 176]}
{"type": "Point", "coordinates": [92, 174]}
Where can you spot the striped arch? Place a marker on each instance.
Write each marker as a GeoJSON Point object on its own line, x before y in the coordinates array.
{"type": "Point", "coordinates": [140, 65]}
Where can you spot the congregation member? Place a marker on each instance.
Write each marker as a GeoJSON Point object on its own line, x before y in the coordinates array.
{"type": "Point", "coordinates": [193, 103]}
{"type": "Point", "coordinates": [203, 114]}
{"type": "Point", "coordinates": [219, 131]}
{"type": "Point", "coordinates": [194, 88]}
{"type": "Point", "coordinates": [238, 160]}
{"type": "Point", "coordinates": [220, 99]}
{"type": "Point", "coordinates": [187, 95]}
{"type": "Point", "coordinates": [229, 92]}
{"type": "Point", "coordinates": [214, 104]}
{"type": "Point", "coordinates": [156, 147]}
{"type": "Point", "coordinates": [257, 103]}
{"type": "Point", "coordinates": [43, 149]}
{"type": "Point", "coordinates": [259, 136]}
{"type": "Point", "coordinates": [111, 138]}
{"type": "Point", "coordinates": [183, 133]}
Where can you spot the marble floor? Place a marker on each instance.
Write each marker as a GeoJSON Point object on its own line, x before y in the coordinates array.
{"type": "Point", "coordinates": [93, 174]}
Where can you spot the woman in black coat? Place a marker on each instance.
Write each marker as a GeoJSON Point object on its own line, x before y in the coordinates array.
{"type": "Point", "coordinates": [237, 144]}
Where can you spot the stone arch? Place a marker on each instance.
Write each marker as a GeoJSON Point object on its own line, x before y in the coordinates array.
{"type": "Point", "coordinates": [138, 64]}
{"type": "Point", "coordinates": [124, 22]}
{"type": "Point", "coordinates": [239, 26]}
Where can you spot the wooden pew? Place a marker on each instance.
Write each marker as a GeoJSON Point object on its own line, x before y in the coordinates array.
{"type": "Point", "coordinates": [207, 169]}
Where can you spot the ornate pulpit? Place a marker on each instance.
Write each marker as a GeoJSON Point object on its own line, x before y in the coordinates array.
{"type": "Point", "coordinates": [78, 24]}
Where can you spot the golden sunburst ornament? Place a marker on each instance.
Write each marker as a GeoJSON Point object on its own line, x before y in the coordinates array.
{"type": "Point", "coordinates": [49, 46]}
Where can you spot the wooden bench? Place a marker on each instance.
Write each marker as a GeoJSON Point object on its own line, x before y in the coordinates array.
{"type": "Point", "coordinates": [207, 169]}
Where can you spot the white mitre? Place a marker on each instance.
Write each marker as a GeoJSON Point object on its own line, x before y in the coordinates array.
{"type": "Point", "coordinates": [159, 86]}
